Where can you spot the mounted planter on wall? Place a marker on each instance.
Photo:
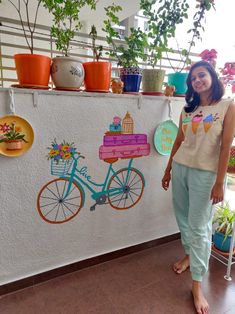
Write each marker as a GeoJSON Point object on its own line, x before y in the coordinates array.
{"type": "Point", "coordinates": [97, 76]}
{"type": "Point", "coordinates": [67, 73]}
{"type": "Point", "coordinates": [32, 70]}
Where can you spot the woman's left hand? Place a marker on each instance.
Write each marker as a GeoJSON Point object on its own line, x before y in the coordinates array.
{"type": "Point", "coordinates": [217, 193]}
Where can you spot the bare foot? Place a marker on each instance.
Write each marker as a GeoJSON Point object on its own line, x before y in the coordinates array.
{"type": "Point", "coordinates": [182, 265]}
{"type": "Point", "coordinates": [200, 302]}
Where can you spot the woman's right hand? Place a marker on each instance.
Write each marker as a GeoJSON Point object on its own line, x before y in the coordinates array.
{"type": "Point", "coordinates": [166, 180]}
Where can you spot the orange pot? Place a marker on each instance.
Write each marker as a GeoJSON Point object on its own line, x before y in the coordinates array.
{"type": "Point", "coordinates": [32, 69]}
{"type": "Point", "coordinates": [14, 144]}
{"type": "Point", "coordinates": [97, 76]}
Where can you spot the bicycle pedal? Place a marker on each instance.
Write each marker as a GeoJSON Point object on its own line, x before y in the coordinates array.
{"type": "Point", "coordinates": [92, 208]}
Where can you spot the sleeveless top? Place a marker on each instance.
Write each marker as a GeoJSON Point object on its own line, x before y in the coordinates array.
{"type": "Point", "coordinates": [202, 136]}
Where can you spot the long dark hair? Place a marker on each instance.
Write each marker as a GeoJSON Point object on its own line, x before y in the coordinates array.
{"type": "Point", "coordinates": [217, 89]}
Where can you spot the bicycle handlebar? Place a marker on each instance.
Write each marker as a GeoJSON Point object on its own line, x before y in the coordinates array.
{"type": "Point", "coordinates": [78, 156]}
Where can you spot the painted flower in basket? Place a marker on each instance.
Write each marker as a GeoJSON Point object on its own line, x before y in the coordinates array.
{"type": "Point", "coordinates": [63, 151]}
{"type": "Point", "coordinates": [12, 136]}
{"type": "Point", "coordinates": [61, 156]}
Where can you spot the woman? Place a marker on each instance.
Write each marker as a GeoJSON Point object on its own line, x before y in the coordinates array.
{"type": "Point", "coordinates": [198, 162]}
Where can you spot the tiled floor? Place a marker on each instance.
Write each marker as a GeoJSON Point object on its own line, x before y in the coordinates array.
{"type": "Point", "coordinates": [140, 283]}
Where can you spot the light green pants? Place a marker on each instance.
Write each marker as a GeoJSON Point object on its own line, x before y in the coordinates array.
{"type": "Point", "coordinates": [191, 189]}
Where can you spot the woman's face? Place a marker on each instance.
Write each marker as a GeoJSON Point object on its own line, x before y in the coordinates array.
{"type": "Point", "coordinates": [201, 80]}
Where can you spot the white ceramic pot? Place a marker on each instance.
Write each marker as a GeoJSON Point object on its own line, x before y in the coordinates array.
{"type": "Point", "coordinates": [67, 73]}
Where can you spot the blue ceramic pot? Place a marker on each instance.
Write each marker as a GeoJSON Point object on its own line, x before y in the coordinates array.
{"type": "Point", "coordinates": [131, 82]}
{"type": "Point", "coordinates": [219, 242]}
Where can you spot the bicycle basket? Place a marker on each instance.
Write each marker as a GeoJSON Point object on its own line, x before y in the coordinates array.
{"type": "Point", "coordinates": [60, 167]}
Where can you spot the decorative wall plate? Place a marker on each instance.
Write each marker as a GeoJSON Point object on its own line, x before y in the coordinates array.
{"type": "Point", "coordinates": [22, 126]}
{"type": "Point", "coordinates": [164, 137]}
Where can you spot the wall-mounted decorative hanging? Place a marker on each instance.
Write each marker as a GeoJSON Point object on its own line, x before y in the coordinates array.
{"type": "Point", "coordinates": [16, 136]}
{"type": "Point", "coordinates": [61, 199]}
{"type": "Point", "coordinates": [165, 135]}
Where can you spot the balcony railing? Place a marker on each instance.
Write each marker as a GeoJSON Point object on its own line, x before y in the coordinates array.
{"type": "Point", "coordinates": [12, 41]}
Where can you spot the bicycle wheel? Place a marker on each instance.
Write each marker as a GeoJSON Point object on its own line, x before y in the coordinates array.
{"type": "Point", "coordinates": [51, 204]}
{"type": "Point", "coordinates": [131, 191]}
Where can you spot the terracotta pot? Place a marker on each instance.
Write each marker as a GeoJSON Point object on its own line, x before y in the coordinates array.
{"type": "Point", "coordinates": [67, 73]}
{"type": "Point", "coordinates": [14, 144]}
{"type": "Point", "coordinates": [97, 76]}
{"type": "Point", "coordinates": [32, 69]}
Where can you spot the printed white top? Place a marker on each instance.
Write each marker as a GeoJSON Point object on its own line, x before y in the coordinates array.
{"type": "Point", "coordinates": [202, 130]}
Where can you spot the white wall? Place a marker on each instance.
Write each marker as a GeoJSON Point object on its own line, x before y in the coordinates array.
{"type": "Point", "coordinates": [29, 245]}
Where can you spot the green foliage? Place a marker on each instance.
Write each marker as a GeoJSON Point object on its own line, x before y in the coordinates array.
{"type": "Point", "coordinates": [224, 218]}
{"type": "Point", "coordinates": [134, 45]}
{"type": "Point", "coordinates": [162, 25]}
{"type": "Point", "coordinates": [97, 50]}
{"type": "Point", "coordinates": [231, 161]}
{"type": "Point", "coordinates": [22, 7]}
{"type": "Point", "coordinates": [12, 134]}
{"type": "Point", "coordinates": [66, 20]}
{"type": "Point", "coordinates": [163, 22]}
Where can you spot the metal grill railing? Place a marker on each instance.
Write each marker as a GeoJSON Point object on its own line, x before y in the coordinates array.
{"type": "Point", "coordinates": [12, 41]}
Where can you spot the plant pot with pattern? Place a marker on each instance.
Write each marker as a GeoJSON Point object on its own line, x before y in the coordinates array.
{"type": "Point", "coordinates": [33, 70]}
{"type": "Point", "coordinates": [97, 73]}
{"type": "Point", "coordinates": [67, 72]}
{"type": "Point", "coordinates": [128, 53]}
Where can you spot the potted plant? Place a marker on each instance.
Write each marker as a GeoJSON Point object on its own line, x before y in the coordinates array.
{"type": "Point", "coordinates": [178, 78]}
{"type": "Point", "coordinates": [97, 73]}
{"type": "Point", "coordinates": [33, 70]}
{"type": "Point", "coordinates": [67, 72]}
{"type": "Point", "coordinates": [12, 137]}
{"type": "Point", "coordinates": [162, 22]}
{"type": "Point", "coordinates": [128, 53]}
{"type": "Point", "coordinates": [223, 220]}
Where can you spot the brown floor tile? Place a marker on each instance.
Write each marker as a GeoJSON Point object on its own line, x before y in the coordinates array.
{"type": "Point", "coordinates": [140, 283]}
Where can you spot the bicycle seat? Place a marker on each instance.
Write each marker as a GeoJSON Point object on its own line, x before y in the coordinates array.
{"type": "Point", "coordinates": [111, 160]}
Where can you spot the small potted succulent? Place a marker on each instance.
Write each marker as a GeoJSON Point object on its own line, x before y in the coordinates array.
{"type": "Point", "coordinates": [12, 137]}
{"type": "Point", "coordinates": [224, 218]}
{"type": "Point", "coordinates": [97, 73]}
{"type": "Point", "coordinates": [33, 70]}
{"type": "Point", "coordinates": [127, 53]}
{"type": "Point", "coordinates": [67, 72]}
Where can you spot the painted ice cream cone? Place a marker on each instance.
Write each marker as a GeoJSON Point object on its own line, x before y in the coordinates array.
{"type": "Point", "coordinates": [185, 126]}
{"type": "Point", "coordinates": [185, 123]}
{"type": "Point", "coordinates": [196, 121]}
{"type": "Point", "coordinates": [195, 126]}
{"type": "Point", "coordinates": [207, 123]}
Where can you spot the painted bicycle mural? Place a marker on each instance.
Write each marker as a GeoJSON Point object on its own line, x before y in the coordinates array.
{"type": "Point", "coordinates": [61, 199]}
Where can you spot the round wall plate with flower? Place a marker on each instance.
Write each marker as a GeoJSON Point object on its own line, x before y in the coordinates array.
{"type": "Point", "coordinates": [16, 136]}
